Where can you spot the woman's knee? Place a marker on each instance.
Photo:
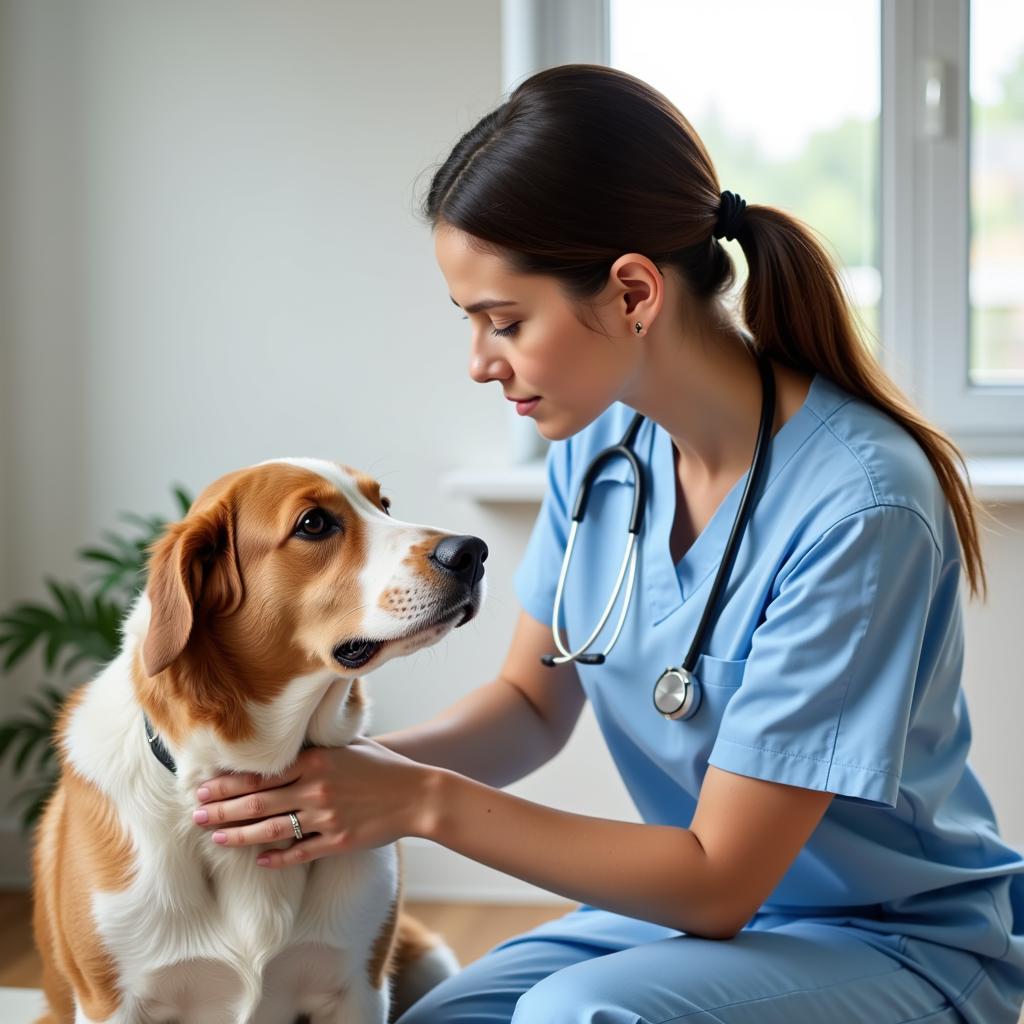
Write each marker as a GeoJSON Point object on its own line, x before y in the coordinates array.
{"type": "Point", "coordinates": [572, 995]}
{"type": "Point", "coordinates": [458, 1000]}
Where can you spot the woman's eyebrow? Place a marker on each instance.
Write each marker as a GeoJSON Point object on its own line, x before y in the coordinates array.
{"type": "Point", "coordinates": [483, 304]}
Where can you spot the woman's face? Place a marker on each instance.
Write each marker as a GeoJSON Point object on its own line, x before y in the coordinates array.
{"type": "Point", "coordinates": [534, 345]}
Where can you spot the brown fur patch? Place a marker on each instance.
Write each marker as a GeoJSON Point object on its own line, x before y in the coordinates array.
{"type": "Point", "coordinates": [397, 602]}
{"type": "Point", "coordinates": [369, 488]}
{"type": "Point", "coordinates": [412, 941]}
{"type": "Point", "coordinates": [80, 847]}
{"type": "Point", "coordinates": [355, 697]}
{"type": "Point", "coordinates": [418, 558]}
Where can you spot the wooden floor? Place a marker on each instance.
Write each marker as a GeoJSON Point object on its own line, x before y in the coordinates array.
{"type": "Point", "coordinates": [469, 928]}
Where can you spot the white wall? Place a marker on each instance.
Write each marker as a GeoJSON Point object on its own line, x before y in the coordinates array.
{"type": "Point", "coordinates": [211, 258]}
{"type": "Point", "coordinates": [992, 672]}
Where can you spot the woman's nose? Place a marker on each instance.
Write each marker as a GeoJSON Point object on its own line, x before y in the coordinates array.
{"type": "Point", "coordinates": [485, 365]}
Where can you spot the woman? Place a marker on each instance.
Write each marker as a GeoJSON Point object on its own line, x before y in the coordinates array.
{"type": "Point", "coordinates": [816, 810]}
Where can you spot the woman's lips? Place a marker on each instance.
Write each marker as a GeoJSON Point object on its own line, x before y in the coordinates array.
{"type": "Point", "coordinates": [524, 408]}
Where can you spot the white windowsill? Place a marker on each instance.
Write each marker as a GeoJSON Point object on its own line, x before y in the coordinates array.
{"type": "Point", "coordinates": [996, 479]}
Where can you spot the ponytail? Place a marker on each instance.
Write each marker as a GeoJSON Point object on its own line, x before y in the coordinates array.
{"type": "Point", "coordinates": [796, 309]}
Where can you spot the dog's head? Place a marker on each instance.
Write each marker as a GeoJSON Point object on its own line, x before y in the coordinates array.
{"type": "Point", "coordinates": [295, 565]}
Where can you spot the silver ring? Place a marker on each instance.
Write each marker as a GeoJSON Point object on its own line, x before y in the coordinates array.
{"type": "Point", "coordinates": [295, 825]}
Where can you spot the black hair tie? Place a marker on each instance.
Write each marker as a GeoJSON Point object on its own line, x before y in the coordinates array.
{"type": "Point", "coordinates": [730, 216]}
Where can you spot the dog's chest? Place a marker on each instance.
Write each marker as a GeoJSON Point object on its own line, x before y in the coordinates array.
{"type": "Point", "coordinates": [303, 979]}
{"type": "Point", "coordinates": [202, 940]}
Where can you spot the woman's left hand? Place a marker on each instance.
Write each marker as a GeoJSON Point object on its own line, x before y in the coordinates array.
{"type": "Point", "coordinates": [346, 798]}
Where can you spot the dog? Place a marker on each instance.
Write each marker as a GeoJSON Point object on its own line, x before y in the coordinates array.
{"type": "Point", "coordinates": [284, 583]}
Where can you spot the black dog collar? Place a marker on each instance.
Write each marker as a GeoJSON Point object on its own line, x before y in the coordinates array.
{"type": "Point", "coordinates": [160, 752]}
{"type": "Point", "coordinates": [163, 755]}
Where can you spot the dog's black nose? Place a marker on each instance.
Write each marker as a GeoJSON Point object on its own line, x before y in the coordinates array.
{"type": "Point", "coordinates": [463, 557]}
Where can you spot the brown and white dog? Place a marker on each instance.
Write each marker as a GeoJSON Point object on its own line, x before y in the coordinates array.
{"type": "Point", "coordinates": [285, 581]}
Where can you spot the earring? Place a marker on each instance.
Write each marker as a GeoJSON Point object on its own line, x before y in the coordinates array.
{"type": "Point", "coordinates": [638, 327]}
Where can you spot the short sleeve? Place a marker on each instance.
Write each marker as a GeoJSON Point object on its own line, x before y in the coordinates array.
{"type": "Point", "coordinates": [825, 698]}
{"type": "Point", "coordinates": [536, 577]}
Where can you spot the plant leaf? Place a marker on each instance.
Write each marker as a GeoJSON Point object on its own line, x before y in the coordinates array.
{"type": "Point", "coordinates": [10, 731]}
{"type": "Point", "coordinates": [74, 660]}
{"type": "Point", "coordinates": [43, 710]}
{"type": "Point", "coordinates": [75, 624]}
{"type": "Point", "coordinates": [47, 758]}
{"type": "Point", "coordinates": [59, 595]}
{"type": "Point", "coordinates": [26, 613]}
{"type": "Point", "coordinates": [18, 650]}
{"type": "Point", "coordinates": [55, 695]}
{"type": "Point", "coordinates": [29, 740]}
{"type": "Point", "coordinates": [151, 524]}
{"type": "Point", "coordinates": [99, 555]}
{"type": "Point", "coordinates": [184, 501]}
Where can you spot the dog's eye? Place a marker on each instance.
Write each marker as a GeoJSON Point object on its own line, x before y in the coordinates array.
{"type": "Point", "coordinates": [316, 523]}
{"type": "Point", "coordinates": [386, 502]}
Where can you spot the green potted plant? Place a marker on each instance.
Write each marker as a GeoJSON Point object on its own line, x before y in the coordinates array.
{"type": "Point", "coordinates": [77, 626]}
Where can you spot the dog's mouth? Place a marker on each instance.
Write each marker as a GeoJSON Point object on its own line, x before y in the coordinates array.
{"type": "Point", "coordinates": [356, 653]}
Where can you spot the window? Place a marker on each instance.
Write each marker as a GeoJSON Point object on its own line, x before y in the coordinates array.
{"type": "Point", "coordinates": [997, 192]}
{"type": "Point", "coordinates": [792, 124]}
{"type": "Point", "coordinates": [903, 123]}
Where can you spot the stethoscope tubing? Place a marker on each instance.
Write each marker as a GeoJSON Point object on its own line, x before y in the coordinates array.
{"type": "Point", "coordinates": [671, 679]}
{"type": "Point", "coordinates": [636, 518]}
{"type": "Point", "coordinates": [743, 512]}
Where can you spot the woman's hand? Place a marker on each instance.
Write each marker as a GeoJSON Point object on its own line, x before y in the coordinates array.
{"type": "Point", "coordinates": [346, 798]}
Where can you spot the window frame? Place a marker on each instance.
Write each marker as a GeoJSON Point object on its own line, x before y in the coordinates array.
{"type": "Point", "coordinates": [925, 192]}
{"type": "Point", "coordinates": [924, 186]}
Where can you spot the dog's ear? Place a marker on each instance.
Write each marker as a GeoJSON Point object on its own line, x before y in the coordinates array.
{"type": "Point", "coordinates": [193, 566]}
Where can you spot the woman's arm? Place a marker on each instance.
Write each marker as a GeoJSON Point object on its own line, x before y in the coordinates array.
{"type": "Point", "coordinates": [492, 734]}
{"type": "Point", "coordinates": [507, 728]}
{"type": "Point", "coordinates": [707, 880]}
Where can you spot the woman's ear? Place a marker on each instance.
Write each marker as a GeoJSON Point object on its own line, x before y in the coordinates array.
{"type": "Point", "coordinates": [195, 563]}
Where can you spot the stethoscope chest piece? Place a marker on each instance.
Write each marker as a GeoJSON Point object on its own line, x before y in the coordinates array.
{"type": "Point", "coordinates": [677, 693]}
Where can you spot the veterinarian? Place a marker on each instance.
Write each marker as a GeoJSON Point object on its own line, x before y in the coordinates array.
{"type": "Point", "coordinates": [802, 778]}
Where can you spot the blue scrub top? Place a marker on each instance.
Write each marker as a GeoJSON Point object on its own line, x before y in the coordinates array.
{"type": "Point", "coordinates": [834, 663]}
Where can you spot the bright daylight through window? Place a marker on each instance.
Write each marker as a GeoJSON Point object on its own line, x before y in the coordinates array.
{"type": "Point", "coordinates": [997, 192]}
{"type": "Point", "coordinates": [794, 124]}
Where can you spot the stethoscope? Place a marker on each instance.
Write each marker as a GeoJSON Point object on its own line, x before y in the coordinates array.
{"type": "Point", "coordinates": [677, 691]}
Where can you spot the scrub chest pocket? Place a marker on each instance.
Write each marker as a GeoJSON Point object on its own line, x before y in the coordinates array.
{"type": "Point", "coordinates": [680, 748]}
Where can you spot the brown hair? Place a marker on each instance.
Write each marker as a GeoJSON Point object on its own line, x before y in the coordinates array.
{"type": "Point", "coordinates": [585, 162]}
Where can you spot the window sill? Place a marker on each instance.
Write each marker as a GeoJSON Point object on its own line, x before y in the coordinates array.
{"type": "Point", "coordinates": [997, 479]}
{"type": "Point", "coordinates": [514, 484]}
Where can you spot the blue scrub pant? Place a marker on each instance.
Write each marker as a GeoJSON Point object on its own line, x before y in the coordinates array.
{"type": "Point", "coordinates": [594, 967]}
